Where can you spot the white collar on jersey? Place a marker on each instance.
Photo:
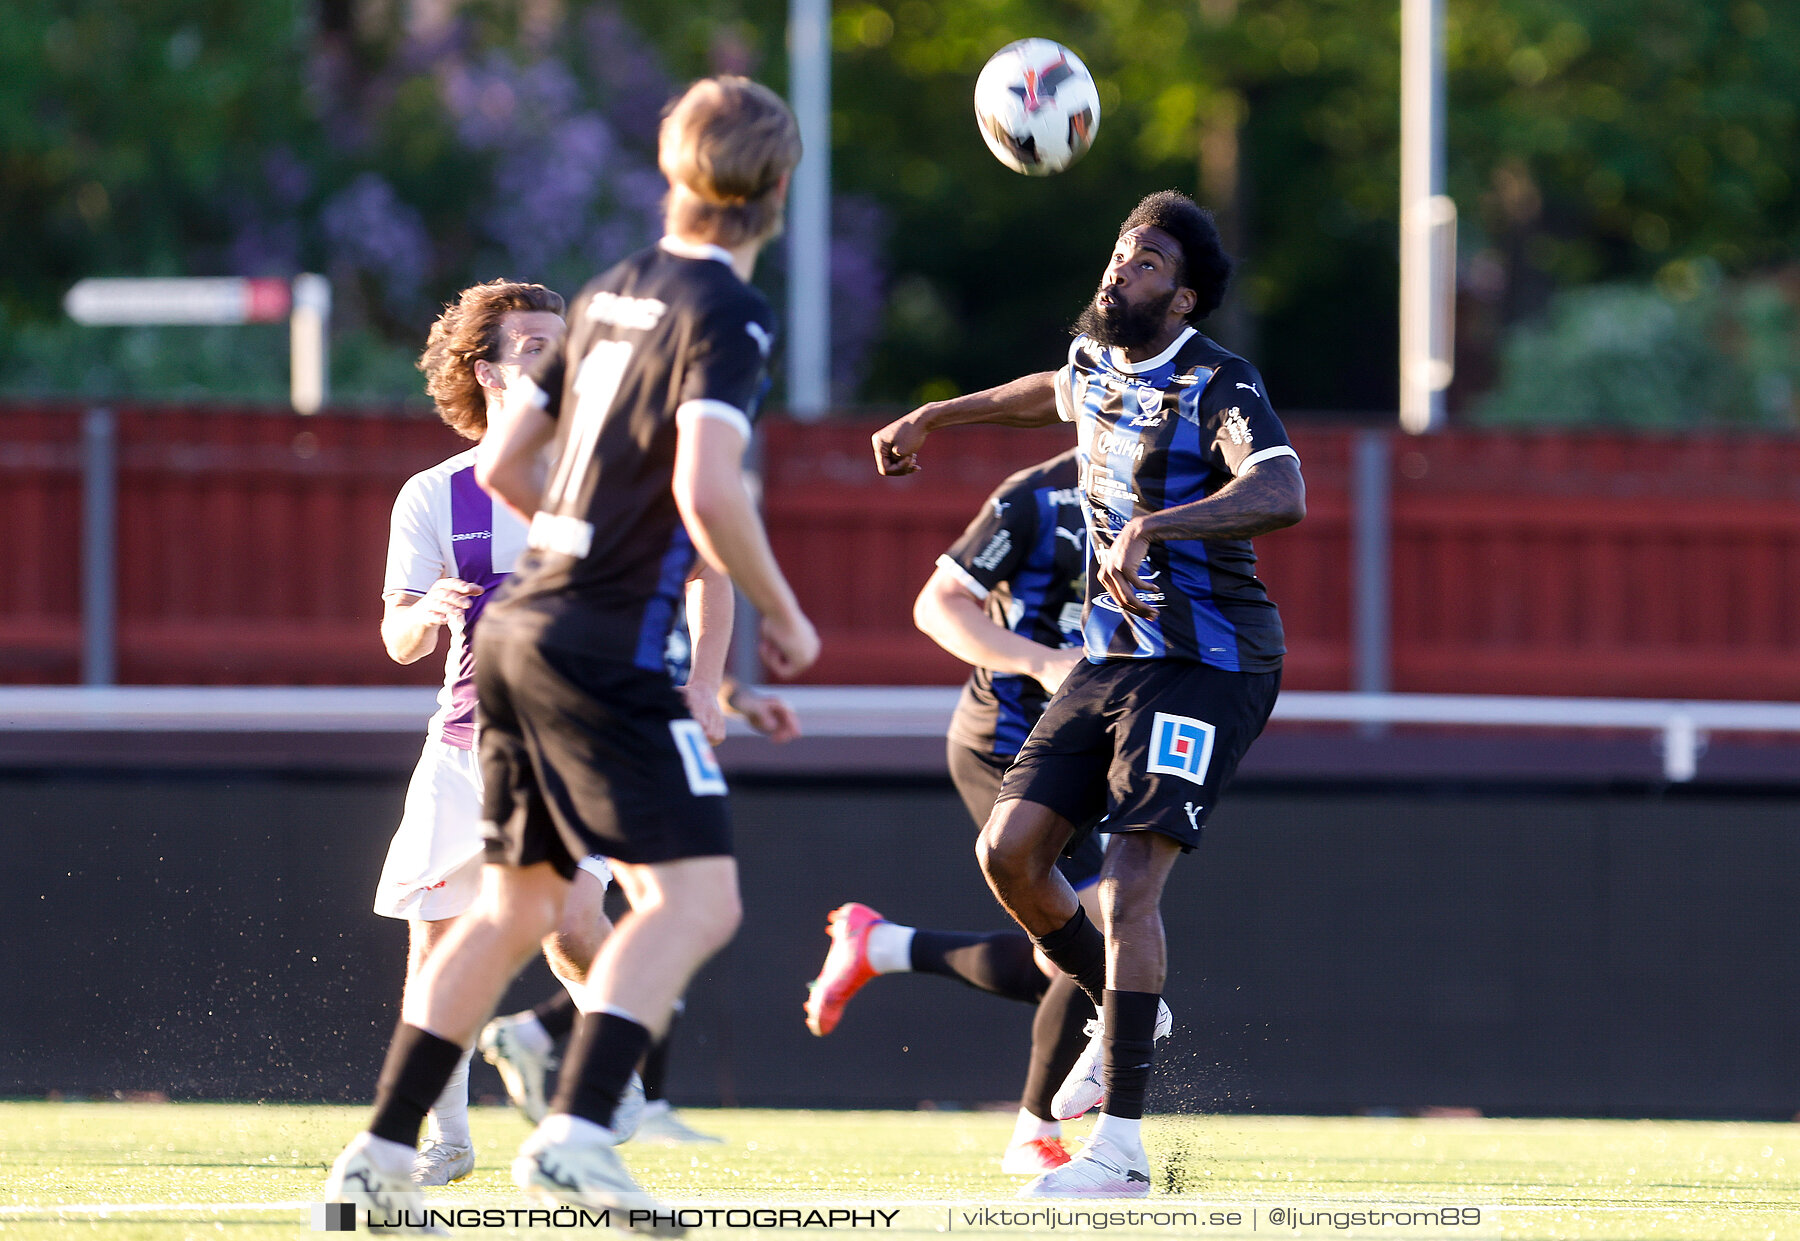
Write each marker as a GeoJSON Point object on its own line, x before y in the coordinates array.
{"type": "Point", "coordinates": [696, 250]}
{"type": "Point", "coordinates": [1138, 368]}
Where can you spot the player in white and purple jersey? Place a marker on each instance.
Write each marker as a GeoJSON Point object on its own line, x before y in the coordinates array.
{"type": "Point", "coordinates": [1183, 462]}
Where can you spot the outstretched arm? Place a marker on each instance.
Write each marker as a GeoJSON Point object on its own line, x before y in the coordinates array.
{"type": "Point", "coordinates": [1269, 496]}
{"type": "Point", "coordinates": [951, 616]}
{"type": "Point", "coordinates": [1026, 402]}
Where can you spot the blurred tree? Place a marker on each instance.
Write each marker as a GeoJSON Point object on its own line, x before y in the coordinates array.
{"type": "Point", "coordinates": [412, 145]}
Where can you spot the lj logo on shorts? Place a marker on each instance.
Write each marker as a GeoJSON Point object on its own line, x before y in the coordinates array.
{"type": "Point", "coordinates": [703, 775]}
{"type": "Point", "coordinates": [1181, 746]}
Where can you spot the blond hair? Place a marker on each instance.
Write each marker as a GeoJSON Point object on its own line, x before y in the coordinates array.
{"type": "Point", "coordinates": [726, 147]}
{"type": "Point", "coordinates": [469, 332]}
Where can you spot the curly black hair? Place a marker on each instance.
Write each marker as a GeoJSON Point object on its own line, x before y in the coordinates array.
{"type": "Point", "coordinates": [1205, 267]}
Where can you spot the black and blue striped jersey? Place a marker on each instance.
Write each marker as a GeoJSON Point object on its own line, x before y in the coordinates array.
{"type": "Point", "coordinates": [669, 335]}
{"type": "Point", "coordinates": [1154, 435]}
{"type": "Point", "coordinates": [1025, 557]}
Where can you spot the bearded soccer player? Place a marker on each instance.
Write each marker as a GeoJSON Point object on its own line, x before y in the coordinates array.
{"type": "Point", "coordinates": [585, 745]}
{"type": "Point", "coordinates": [1183, 462]}
{"type": "Point", "coordinates": [1006, 598]}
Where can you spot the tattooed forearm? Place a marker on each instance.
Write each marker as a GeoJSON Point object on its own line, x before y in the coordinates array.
{"type": "Point", "coordinates": [1270, 497]}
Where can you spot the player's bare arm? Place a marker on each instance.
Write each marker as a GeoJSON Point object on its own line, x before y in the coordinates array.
{"type": "Point", "coordinates": [1029, 401]}
{"type": "Point", "coordinates": [769, 714]}
{"type": "Point", "coordinates": [709, 490]}
{"type": "Point", "coordinates": [508, 459]}
{"type": "Point", "coordinates": [948, 613]}
{"type": "Point", "coordinates": [1271, 495]}
{"type": "Point", "coordinates": [710, 603]}
{"type": "Point", "coordinates": [410, 624]}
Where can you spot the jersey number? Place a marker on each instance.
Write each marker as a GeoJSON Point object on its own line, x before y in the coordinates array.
{"type": "Point", "coordinates": [596, 388]}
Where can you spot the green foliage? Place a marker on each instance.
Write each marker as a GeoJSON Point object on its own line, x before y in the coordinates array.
{"type": "Point", "coordinates": [1627, 355]}
{"type": "Point", "coordinates": [1591, 141]}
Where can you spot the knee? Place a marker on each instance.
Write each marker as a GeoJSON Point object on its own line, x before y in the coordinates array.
{"type": "Point", "coordinates": [720, 917]}
{"type": "Point", "coordinates": [1003, 858]}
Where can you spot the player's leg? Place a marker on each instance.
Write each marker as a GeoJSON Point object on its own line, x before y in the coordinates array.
{"type": "Point", "coordinates": [660, 1122]}
{"type": "Point", "coordinates": [1059, 1034]}
{"type": "Point", "coordinates": [448, 1151]}
{"type": "Point", "coordinates": [431, 876]}
{"type": "Point", "coordinates": [522, 1046]}
{"type": "Point", "coordinates": [457, 988]}
{"type": "Point", "coordinates": [1182, 728]}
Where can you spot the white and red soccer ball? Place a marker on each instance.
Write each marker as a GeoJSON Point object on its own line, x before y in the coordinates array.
{"type": "Point", "coordinates": [1037, 106]}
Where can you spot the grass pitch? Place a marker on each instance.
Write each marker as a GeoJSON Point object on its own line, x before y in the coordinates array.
{"type": "Point", "coordinates": [158, 1172]}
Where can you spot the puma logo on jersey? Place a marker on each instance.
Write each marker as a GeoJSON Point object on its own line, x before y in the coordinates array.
{"type": "Point", "coordinates": [1236, 426]}
{"type": "Point", "coordinates": [1193, 814]}
{"type": "Point", "coordinates": [1252, 387]}
{"type": "Point", "coordinates": [764, 341]}
{"type": "Point", "coordinates": [1074, 536]}
{"type": "Point", "coordinates": [638, 314]}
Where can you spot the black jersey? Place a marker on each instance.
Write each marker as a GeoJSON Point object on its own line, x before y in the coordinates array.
{"type": "Point", "coordinates": [669, 334]}
{"type": "Point", "coordinates": [1025, 557]}
{"type": "Point", "coordinates": [1160, 433]}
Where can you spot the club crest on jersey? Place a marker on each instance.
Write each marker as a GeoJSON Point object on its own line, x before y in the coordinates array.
{"type": "Point", "coordinates": [704, 777]}
{"type": "Point", "coordinates": [1180, 746]}
{"type": "Point", "coordinates": [1237, 427]}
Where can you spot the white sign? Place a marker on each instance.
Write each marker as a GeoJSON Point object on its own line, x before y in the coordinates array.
{"type": "Point", "coordinates": [178, 300]}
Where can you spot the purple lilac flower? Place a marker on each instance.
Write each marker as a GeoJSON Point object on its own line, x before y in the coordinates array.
{"type": "Point", "coordinates": [368, 226]}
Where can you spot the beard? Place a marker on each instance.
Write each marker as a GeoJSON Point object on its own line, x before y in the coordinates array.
{"type": "Point", "coordinates": [1122, 325]}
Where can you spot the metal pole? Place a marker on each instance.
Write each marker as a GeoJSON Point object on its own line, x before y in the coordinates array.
{"type": "Point", "coordinates": [1427, 221]}
{"type": "Point", "coordinates": [99, 548]}
{"type": "Point", "coordinates": [309, 358]}
{"type": "Point", "coordinates": [1371, 535]}
{"type": "Point", "coordinates": [809, 213]}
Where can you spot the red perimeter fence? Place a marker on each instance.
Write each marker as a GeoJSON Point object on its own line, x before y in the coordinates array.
{"type": "Point", "coordinates": [249, 549]}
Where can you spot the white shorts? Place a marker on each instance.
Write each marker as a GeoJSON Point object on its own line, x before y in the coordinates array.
{"type": "Point", "coordinates": [433, 868]}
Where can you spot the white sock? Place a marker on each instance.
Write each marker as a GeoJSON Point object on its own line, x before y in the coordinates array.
{"type": "Point", "coordinates": [562, 1127]}
{"type": "Point", "coordinates": [890, 948]}
{"type": "Point", "coordinates": [531, 1032]}
{"type": "Point", "coordinates": [1122, 1135]}
{"type": "Point", "coordinates": [448, 1120]}
{"type": "Point", "coordinates": [388, 1155]}
{"type": "Point", "coordinates": [1027, 1127]}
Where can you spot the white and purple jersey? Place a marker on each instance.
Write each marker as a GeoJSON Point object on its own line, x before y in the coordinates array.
{"type": "Point", "coordinates": [445, 525]}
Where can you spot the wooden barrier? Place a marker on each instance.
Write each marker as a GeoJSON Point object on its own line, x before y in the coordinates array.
{"type": "Point", "coordinates": [250, 550]}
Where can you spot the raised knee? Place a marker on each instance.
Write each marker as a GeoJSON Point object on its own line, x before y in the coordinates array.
{"type": "Point", "coordinates": [1002, 859]}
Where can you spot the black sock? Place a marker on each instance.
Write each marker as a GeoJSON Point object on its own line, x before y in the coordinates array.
{"type": "Point", "coordinates": [1079, 950]}
{"type": "Point", "coordinates": [601, 1058]}
{"type": "Point", "coordinates": [556, 1014]}
{"type": "Point", "coordinates": [1000, 962]}
{"type": "Point", "coordinates": [1130, 1042]}
{"type": "Point", "coordinates": [1057, 1038]}
{"type": "Point", "coordinates": [656, 1061]}
{"type": "Point", "coordinates": [413, 1076]}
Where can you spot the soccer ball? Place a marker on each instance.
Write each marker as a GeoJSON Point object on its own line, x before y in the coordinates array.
{"type": "Point", "coordinates": [1037, 106]}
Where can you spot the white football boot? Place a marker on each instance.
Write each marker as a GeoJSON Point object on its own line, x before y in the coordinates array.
{"type": "Point", "coordinates": [573, 1163]}
{"type": "Point", "coordinates": [441, 1163]}
{"type": "Point", "coordinates": [521, 1068]}
{"type": "Point", "coordinates": [1082, 1089]}
{"type": "Point", "coordinates": [661, 1125]}
{"type": "Point", "coordinates": [381, 1189]}
{"type": "Point", "coordinates": [1099, 1171]}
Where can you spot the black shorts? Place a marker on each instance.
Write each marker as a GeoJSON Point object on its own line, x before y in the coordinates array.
{"type": "Point", "coordinates": [977, 776]}
{"type": "Point", "coordinates": [582, 755]}
{"type": "Point", "coordinates": [1149, 743]}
